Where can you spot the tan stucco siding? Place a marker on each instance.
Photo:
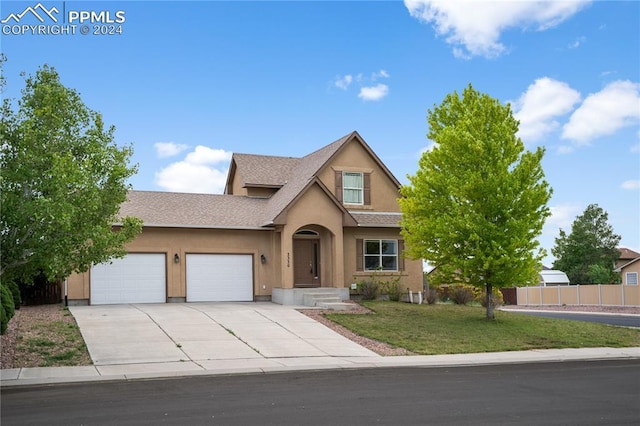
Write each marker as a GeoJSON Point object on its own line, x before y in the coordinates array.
{"type": "Point", "coordinates": [203, 241]}
{"type": "Point", "coordinates": [315, 208]}
{"type": "Point", "coordinates": [411, 275]}
{"type": "Point", "coordinates": [634, 267]}
{"type": "Point", "coordinates": [353, 157]}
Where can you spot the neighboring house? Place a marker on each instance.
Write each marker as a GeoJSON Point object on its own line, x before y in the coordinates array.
{"type": "Point", "coordinates": [626, 256]}
{"type": "Point", "coordinates": [553, 277]}
{"type": "Point", "coordinates": [629, 271]}
{"type": "Point", "coordinates": [283, 224]}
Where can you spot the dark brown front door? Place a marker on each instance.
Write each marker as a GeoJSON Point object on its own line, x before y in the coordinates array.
{"type": "Point", "coordinates": [306, 263]}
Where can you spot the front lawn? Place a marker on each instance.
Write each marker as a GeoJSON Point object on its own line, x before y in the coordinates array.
{"type": "Point", "coordinates": [448, 329]}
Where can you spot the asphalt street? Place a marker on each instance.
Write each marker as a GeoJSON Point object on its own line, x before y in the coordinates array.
{"type": "Point", "coordinates": [562, 393]}
{"type": "Point", "coordinates": [619, 320]}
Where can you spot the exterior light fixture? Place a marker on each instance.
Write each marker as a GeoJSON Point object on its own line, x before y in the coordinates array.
{"type": "Point", "coordinates": [176, 258]}
{"type": "Point", "coordinates": [263, 259]}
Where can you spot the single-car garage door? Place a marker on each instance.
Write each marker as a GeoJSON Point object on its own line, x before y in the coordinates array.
{"type": "Point", "coordinates": [136, 278]}
{"type": "Point", "coordinates": [219, 278]}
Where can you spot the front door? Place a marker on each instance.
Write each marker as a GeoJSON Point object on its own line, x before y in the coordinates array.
{"type": "Point", "coordinates": [306, 263]}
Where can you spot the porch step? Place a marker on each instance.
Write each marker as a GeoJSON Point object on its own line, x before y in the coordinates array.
{"type": "Point", "coordinates": [313, 298]}
{"type": "Point", "coordinates": [337, 306]}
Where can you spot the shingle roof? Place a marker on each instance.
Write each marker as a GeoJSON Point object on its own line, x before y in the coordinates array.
{"type": "Point", "coordinates": [264, 170]}
{"type": "Point", "coordinates": [377, 220]}
{"type": "Point", "coordinates": [291, 175]}
{"type": "Point", "coordinates": [171, 209]}
{"type": "Point", "coordinates": [627, 254]}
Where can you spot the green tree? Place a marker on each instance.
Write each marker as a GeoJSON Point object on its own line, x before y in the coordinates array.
{"type": "Point", "coordinates": [478, 201]}
{"type": "Point", "coordinates": [63, 180]}
{"type": "Point", "coordinates": [588, 254]}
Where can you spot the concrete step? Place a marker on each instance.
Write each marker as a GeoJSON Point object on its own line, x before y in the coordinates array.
{"type": "Point", "coordinates": [337, 306]}
{"type": "Point", "coordinates": [311, 299]}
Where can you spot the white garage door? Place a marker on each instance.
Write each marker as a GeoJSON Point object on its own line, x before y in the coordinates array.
{"type": "Point", "coordinates": [136, 278]}
{"type": "Point", "coordinates": [219, 278]}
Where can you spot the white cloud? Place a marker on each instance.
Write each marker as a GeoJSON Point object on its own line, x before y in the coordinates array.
{"type": "Point", "coordinates": [373, 93]}
{"type": "Point", "coordinates": [343, 82]}
{"type": "Point", "coordinates": [379, 74]}
{"type": "Point", "coordinates": [168, 149]}
{"type": "Point", "coordinates": [197, 173]}
{"type": "Point", "coordinates": [631, 184]}
{"type": "Point", "coordinates": [537, 108]}
{"type": "Point", "coordinates": [562, 217]}
{"type": "Point", "coordinates": [427, 148]}
{"type": "Point", "coordinates": [605, 112]}
{"type": "Point", "coordinates": [474, 28]}
{"type": "Point", "coordinates": [206, 155]}
{"type": "Point", "coordinates": [577, 43]}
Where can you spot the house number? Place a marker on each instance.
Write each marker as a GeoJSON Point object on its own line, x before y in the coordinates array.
{"type": "Point", "coordinates": [288, 260]}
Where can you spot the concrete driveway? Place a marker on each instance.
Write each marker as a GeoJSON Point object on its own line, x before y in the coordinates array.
{"type": "Point", "coordinates": [203, 333]}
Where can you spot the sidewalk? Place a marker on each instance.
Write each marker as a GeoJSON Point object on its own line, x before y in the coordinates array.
{"type": "Point", "coordinates": [52, 375]}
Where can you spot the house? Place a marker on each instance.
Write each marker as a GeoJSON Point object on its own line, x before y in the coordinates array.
{"type": "Point", "coordinates": [628, 266]}
{"type": "Point", "coordinates": [552, 277]}
{"type": "Point", "coordinates": [282, 226]}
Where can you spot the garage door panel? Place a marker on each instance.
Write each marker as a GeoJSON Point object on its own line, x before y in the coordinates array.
{"type": "Point", "coordinates": [219, 278]}
{"type": "Point", "coordinates": [136, 278]}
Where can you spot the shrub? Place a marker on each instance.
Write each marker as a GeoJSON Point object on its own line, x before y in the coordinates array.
{"type": "Point", "coordinates": [369, 289]}
{"type": "Point", "coordinates": [461, 294]}
{"type": "Point", "coordinates": [431, 296]}
{"type": "Point", "coordinates": [7, 309]}
{"type": "Point", "coordinates": [480, 295]}
{"type": "Point", "coordinates": [392, 288]}
{"type": "Point", "coordinates": [15, 292]}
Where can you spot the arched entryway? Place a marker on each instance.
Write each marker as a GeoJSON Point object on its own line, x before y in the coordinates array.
{"type": "Point", "coordinates": [310, 257]}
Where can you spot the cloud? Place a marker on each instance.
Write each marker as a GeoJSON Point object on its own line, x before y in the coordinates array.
{"type": "Point", "coordinates": [197, 173]}
{"type": "Point", "coordinates": [344, 82]}
{"type": "Point", "coordinates": [474, 28]}
{"type": "Point", "coordinates": [631, 184]}
{"type": "Point", "coordinates": [168, 149]}
{"type": "Point", "coordinates": [537, 108]}
{"type": "Point", "coordinates": [605, 112]}
{"type": "Point", "coordinates": [368, 90]}
{"type": "Point", "coordinates": [373, 93]}
{"type": "Point", "coordinates": [577, 43]}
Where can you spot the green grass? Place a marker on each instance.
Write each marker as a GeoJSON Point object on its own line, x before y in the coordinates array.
{"type": "Point", "coordinates": [448, 329]}
{"type": "Point", "coordinates": [54, 343]}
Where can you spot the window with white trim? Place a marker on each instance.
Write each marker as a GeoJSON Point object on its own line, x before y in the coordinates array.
{"type": "Point", "coordinates": [352, 188]}
{"type": "Point", "coordinates": [380, 255]}
{"type": "Point", "coordinates": [632, 278]}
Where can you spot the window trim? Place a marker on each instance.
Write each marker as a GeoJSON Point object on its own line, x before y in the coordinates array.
{"type": "Point", "coordinates": [628, 274]}
{"type": "Point", "coordinates": [346, 188]}
{"type": "Point", "coordinates": [380, 255]}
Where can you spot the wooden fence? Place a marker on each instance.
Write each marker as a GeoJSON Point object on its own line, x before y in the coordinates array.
{"type": "Point", "coordinates": [596, 294]}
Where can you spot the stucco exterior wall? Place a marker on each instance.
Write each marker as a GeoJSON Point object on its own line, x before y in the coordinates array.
{"type": "Point", "coordinates": [315, 208]}
{"type": "Point", "coordinates": [411, 276]}
{"type": "Point", "coordinates": [634, 267]}
{"type": "Point", "coordinates": [354, 157]}
{"type": "Point", "coordinates": [202, 241]}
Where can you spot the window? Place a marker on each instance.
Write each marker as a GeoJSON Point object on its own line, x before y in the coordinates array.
{"type": "Point", "coordinates": [632, 278]}
{"type": "Point", "coordinates": [380, 255]}
{"type": "Point", "coordinates": [352, 188]}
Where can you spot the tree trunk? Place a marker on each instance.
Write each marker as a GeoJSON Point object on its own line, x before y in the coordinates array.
{"type": "Point", "coordinates": [489, 295]}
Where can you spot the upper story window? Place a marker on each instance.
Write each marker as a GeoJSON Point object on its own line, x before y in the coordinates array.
{"type": "Point", "coordinates": [352, 188]}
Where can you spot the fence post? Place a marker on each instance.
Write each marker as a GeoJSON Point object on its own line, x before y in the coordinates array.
{"type": "Point", "coordinates": [599, 295]}
{"type": "Point", "coordinates": [622, 288]}
{"type": "Point", "coordinates": [578, 290]}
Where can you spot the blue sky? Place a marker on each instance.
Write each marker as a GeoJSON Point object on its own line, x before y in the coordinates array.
{"type": "Point", "coordinates": [188, 83]}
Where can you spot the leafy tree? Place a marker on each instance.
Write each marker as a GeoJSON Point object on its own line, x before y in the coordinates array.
{"type": "Point", "coordinates": [63, 180]}
{"type": "Point", "coordinates": [478, 200]}
{"type": "Point", "coordinates": [588, 254]}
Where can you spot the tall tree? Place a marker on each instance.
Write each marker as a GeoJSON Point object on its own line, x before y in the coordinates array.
{"type": "Point", "coordinates": [478, 201]}
{"type": "Point", "coordinates": [588, 254]}
{"type": "Point", "coordinates": [63, 180]}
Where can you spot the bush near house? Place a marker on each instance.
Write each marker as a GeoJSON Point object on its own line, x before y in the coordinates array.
{"type": "Point", "coordinates": [7, 308]}
{"type": "Point", "coordinates": [373, 287]}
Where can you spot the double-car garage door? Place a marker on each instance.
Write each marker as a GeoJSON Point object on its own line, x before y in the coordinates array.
{"type": "Point", "coordinates": [141, 278]}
